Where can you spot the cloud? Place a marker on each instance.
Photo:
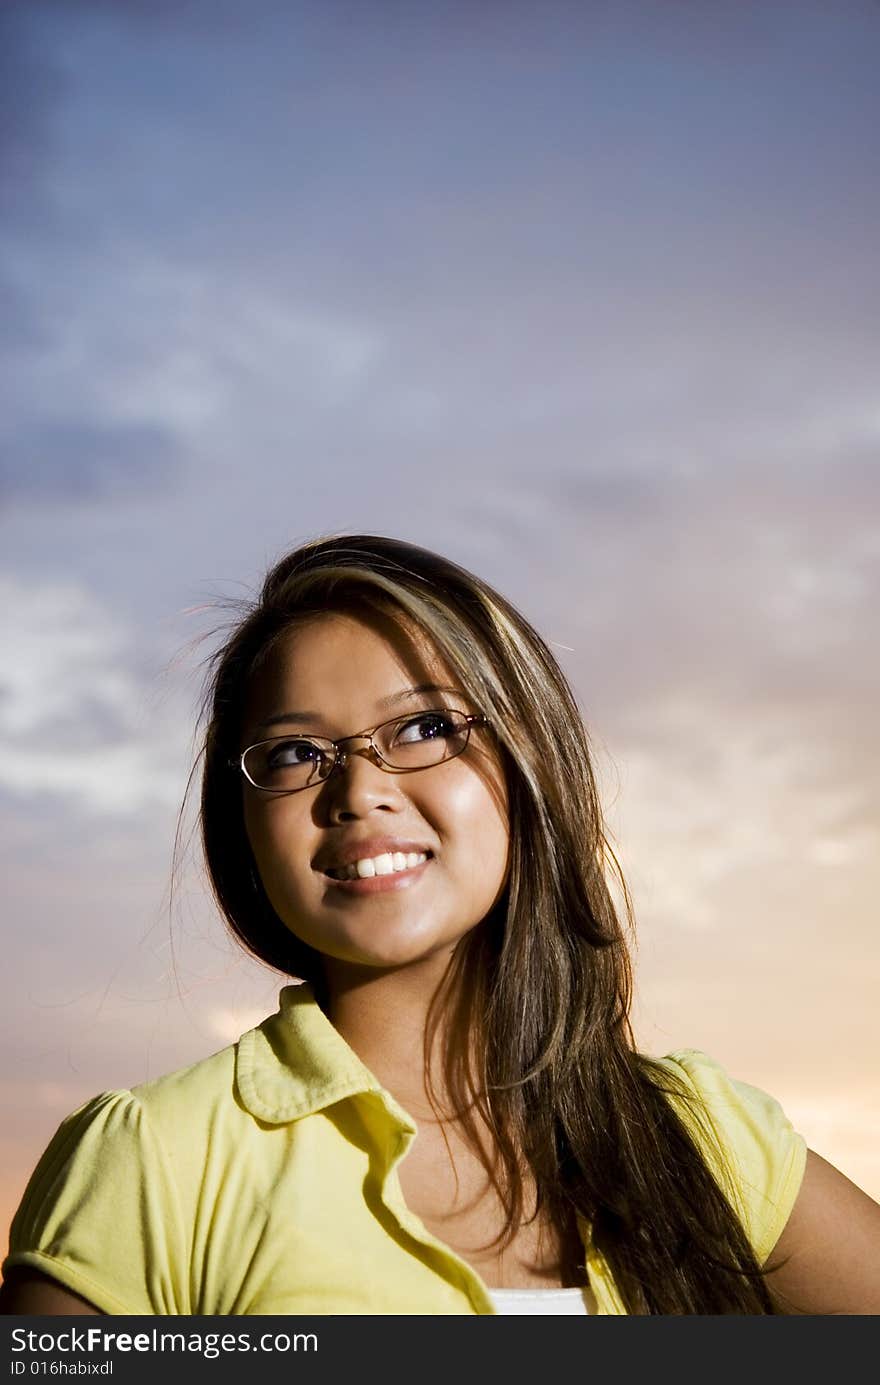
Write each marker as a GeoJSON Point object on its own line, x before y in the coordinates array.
{"type": "Point", "coordinates": [717, 627]}
{"type": "Point", "coordinates": [76, 459]}
{"type": "Point", "coordinates": [162, 361]}
{"type": "Point", "coordinates": [710, 799]}
{"type": "Point", "coordinates": [77, 723]}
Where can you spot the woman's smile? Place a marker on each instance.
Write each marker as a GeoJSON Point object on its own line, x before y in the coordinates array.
{"type": "Point", "coordinates": [382, 881]}
{"type": "Point", "coordinates": [376, 864]}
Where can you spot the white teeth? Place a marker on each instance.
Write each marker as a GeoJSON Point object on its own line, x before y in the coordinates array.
{"type": "Point", "coordinates": [386, 864]}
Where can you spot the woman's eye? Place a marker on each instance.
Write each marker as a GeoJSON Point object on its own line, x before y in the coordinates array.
{"type": "Point", "coordinates": [428, 726]}
{"type": "Point", "coordinates": [293, 753]}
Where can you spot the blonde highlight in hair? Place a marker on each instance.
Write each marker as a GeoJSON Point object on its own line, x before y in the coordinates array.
{"type": "Point", "coordinates": [536, 1007]}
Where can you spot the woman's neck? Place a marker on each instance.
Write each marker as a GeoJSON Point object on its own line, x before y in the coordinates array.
{"type": "Point", "coordinates": [383, 1017]}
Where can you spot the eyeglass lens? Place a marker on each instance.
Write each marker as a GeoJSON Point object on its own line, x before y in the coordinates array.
{"type": "Point", "coordinates": [415, 742]}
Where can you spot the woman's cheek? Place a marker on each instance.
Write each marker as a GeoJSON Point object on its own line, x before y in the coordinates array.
{"type": "Point", "coordinates": [273, 865]}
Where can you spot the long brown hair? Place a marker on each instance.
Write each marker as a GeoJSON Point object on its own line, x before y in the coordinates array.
{"type": "Point", "coordinates": [540, 992]}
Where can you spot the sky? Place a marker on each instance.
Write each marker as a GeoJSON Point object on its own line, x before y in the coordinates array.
{"type": "Point", "coordinates": [583, 296]}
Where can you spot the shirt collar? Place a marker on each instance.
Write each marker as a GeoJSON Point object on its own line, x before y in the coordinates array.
{"type": "Point", "coordinates": [296, 1063]}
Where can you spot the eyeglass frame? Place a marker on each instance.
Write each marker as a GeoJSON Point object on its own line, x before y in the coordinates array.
{"type": "Point", "coordinates": [340, 757]}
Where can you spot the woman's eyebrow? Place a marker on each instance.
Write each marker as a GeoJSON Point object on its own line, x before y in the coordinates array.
{"type": "Point", "coordinates": [384, 704]}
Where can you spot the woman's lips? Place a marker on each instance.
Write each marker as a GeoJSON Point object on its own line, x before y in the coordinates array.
{"type": "Point", "coordinates": [378, 884]}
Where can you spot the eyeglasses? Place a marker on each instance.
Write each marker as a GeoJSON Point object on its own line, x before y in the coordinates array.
{"type": "Point", "coordinates": [286, 764]}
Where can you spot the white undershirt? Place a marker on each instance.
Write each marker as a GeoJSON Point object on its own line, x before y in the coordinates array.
{"type": "Point", "coordinates": [535, 1301]}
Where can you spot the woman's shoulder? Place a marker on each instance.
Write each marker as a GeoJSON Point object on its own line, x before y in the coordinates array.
{"type": "Point", "coordinates": [693, 1072]}
{"type": "Point", "coordinates": [744, 1134]}
{"type": "Point", "coordinates": [171, 1102]}
{"type": "Point", "coordinates": [171, 1108]}
{"type": "Point", "coordinates": [688, 1073]}
{"type": "Point", "coordinates": [130, 1148]}
{"type": "Point", "coordinates": [211, 1100]}
{"type": "Point", "coordinates": [205, 1082]}
{"type": "Point", "coordinates": [718, 1105]}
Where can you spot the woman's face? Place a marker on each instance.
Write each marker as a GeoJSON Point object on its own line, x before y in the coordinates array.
{"type": "Point", "coordinates": [337, 675]}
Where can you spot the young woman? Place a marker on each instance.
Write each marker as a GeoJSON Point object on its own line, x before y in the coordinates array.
{"type": "Point", "coordinates": [447, 1114]}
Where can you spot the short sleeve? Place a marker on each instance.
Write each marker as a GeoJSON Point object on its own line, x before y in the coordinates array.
{"type": "Point", "coordinates": [100, 1214]}
{"type": "Point", "coordinates": [748, 1141]}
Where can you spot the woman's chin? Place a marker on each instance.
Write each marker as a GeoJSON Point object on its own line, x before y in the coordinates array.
{"type": "Point", "coordinates": [394, 949]}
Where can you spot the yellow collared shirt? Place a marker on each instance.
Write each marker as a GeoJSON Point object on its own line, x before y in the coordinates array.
{"type": "Point", "coordinates": [263, 1180]}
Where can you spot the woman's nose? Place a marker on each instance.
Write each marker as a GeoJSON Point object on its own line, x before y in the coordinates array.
{"type": "Point", "coordinates": [358, 784]}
